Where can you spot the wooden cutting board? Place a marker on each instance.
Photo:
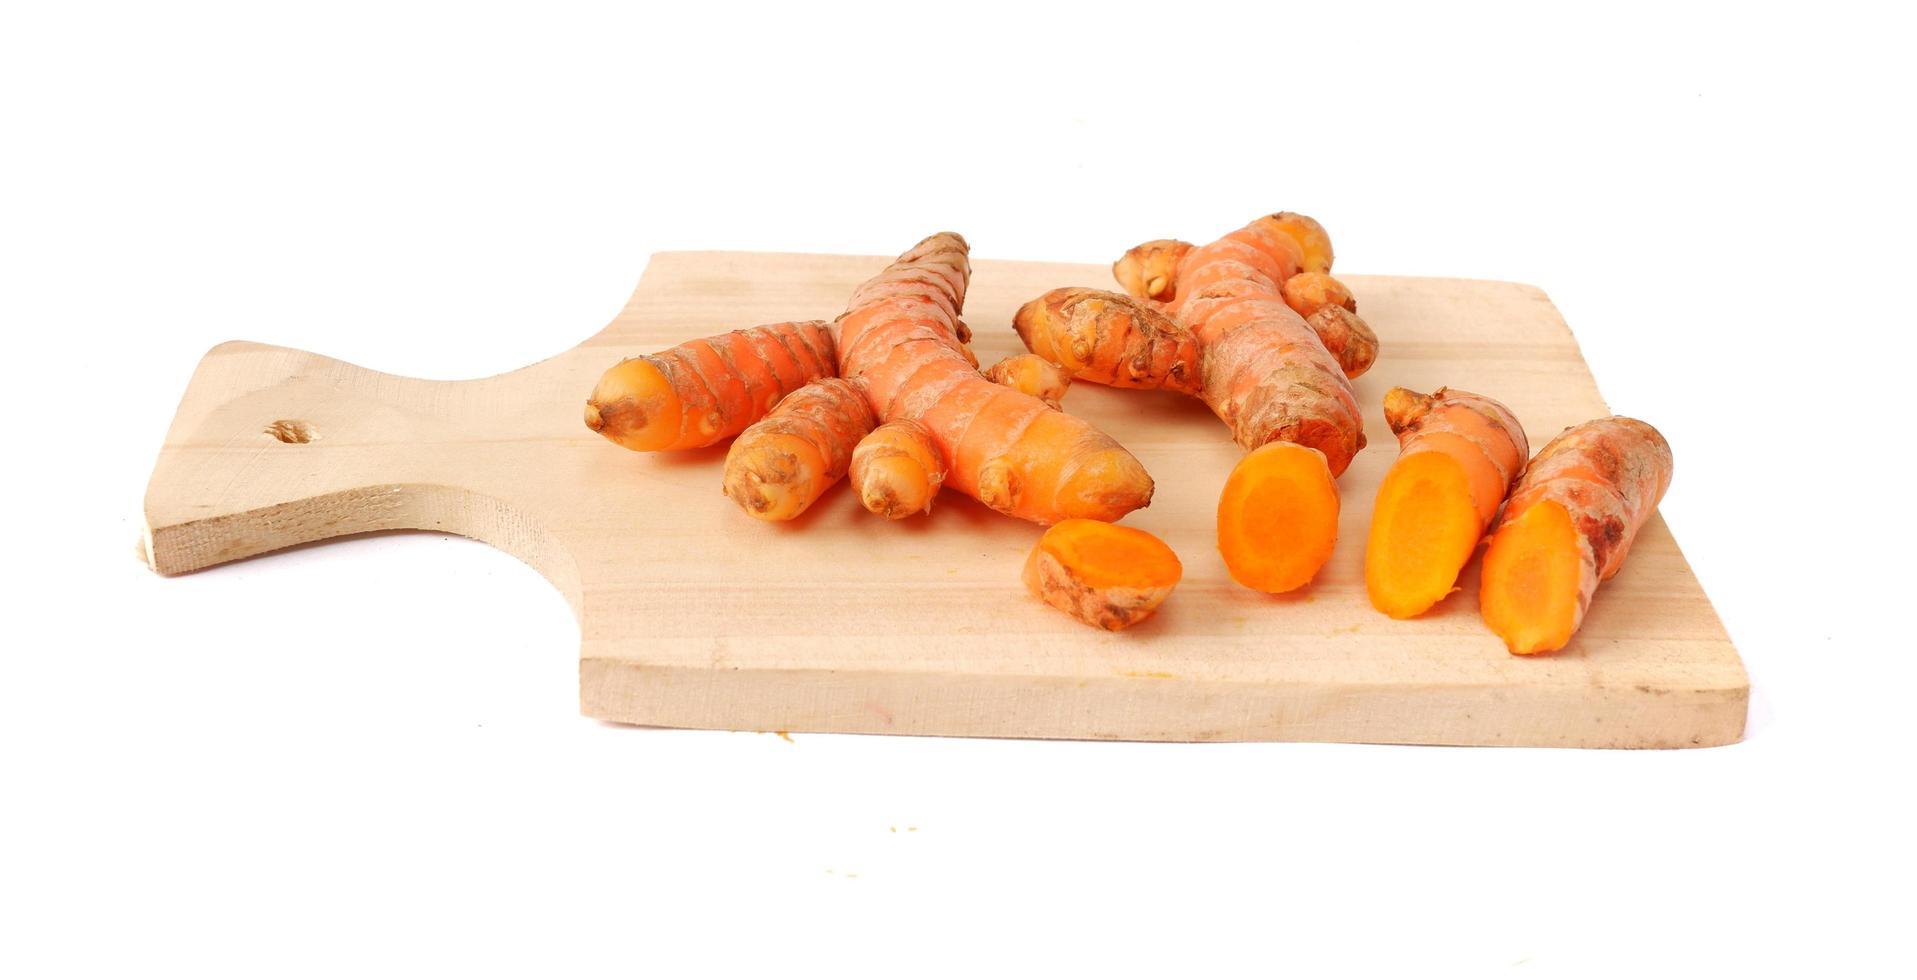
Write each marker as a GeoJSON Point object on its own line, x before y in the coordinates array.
{"type": "Point", "coordinates": [694, 615]}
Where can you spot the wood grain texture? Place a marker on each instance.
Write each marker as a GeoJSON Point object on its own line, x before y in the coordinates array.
{"type": "Point", "coordinates": [694, 615]}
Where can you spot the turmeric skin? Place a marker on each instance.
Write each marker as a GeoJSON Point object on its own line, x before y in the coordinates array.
{"type": "Point", "coordinates": [1151, 269]}
{"type": "Point", "coordinates": [1260, 365]}
{"type": "Point", "coordinates": [1109, 339]}
{"type": "Point", "coordinates": [1568, 526]}
{"type": "Point", "coordinates": [782, 463]}
{"type": "Point", "coordinates": [705, 391]}
{"type": "Point", "coordinates": [1308, 292]}
{"type": "Point", "coordinates": [1459, 455]}
{"type": "Point", "coordinates": [897, 470]}
{"type": "Point", "coordinates": [1032, 375]}
{"type": "Point", "coordinates": [1105, 575]}
{"type": "Point", "coordinates": [899, 339]}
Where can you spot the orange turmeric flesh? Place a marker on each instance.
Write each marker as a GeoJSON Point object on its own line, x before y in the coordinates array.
{"type": "Point", "coordinates": [1460, 454]}
{"type": "Point", "coordinates": [705, 391]}
{"type": "Point", "coordinates": [1254, 325]}
{"type": "Point", "coordinates": [1105, 575]}
{"type": "Point", "coordinates": [1567, 527]}
{"type": "Point", "coordinates": [1423, 531]}
{"type": "Point", "coordinates": [1278, 517]}
{"type": "Point", "coordinates": [1533, 574]}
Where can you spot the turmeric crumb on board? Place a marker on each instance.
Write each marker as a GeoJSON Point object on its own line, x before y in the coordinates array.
{"type": "Point", "coordinates": [784, 735]}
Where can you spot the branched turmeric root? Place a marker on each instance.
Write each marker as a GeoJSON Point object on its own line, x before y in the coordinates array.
{"type": "Point", "coordinates": [705, 391]}
{"type": "Point", "coordinates": [1459, 454]}
{"type": "Point", "coordinates": [1034, 376]}
{"type": "Point", "coordinates": [1217, 321]}
{"type": "Point", "coordinates": [897, 470]}
{"type": "Point", "coordinates": [899, 339]}
{"type": "Point", "coordinates": [1568, 526]}
{"type": "Point", "coordinates": [1108, 576]}
{"type": "Point", "coordinates": [782, 463]}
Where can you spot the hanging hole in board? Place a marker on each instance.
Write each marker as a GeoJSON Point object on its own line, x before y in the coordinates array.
{"type": "Point", "coordinates": [291, 431]}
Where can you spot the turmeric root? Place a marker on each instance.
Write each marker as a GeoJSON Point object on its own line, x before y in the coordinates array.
{"type": "Point", "coordinates": [782, 463]}
{"type": "Point", "coordinates": [708, 390]}
{"type": "Point", "coordinates": [1568, 526]}
{"type": "Point", "coordinates": [1459, 455]}
{"type": "Point", "coordinates": [1032, 375]}
{"type": "Point", "coordinates": [1262, 367]}
{"type": "Point", "coordinates": [1108, 576]}
{"type": "Point", "coordinates": [1278, 517]}
{"type": "Point", "coordinates": [899, 339]}
{"type": "Point", "coordinates": [896, 469]}
{"type": "Point", "coordinates": [1107, 338]}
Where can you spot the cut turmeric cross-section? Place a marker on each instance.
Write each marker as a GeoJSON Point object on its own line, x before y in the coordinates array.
{"type": "Point", "coordinates": [1568, 525]}
{"type": "Point", "coordinates": [1103, 574]}
{"type": "Point", "coordinates": [1460, 453]}
{"type": "Point", "coordinates": [1278, 517]}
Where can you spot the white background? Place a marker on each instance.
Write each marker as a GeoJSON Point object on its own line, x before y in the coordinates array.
{"type": "Point", "coordinates": [367, 758]}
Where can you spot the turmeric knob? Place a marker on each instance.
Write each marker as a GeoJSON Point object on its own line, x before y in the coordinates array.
{"type": "Point", "coordinates": [1308, 292]}
{"type": "Point", "coordinates": [785, 461]}
{"type": "Point", "coordinates": [1102, 574]}
{"type": "Point", "coordinates": [1150, 271]}
{"type": "Point", "coordinates": [897, 469]}
{"type": "Point", "coordinates": [1034, 376]}
{"type": "Point", "coordinates": [1314, 245]}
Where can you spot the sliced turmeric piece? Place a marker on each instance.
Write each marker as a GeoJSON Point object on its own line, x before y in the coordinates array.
{"type": "Point", "coordinates": [1109, 576]}
{"type": "Point", "coordinates": [1568, 526]}
{"type": "Point", "coordinates": [1034, 376]}
{"type": "Point", "coordinates": [705, 391]}
{"type": "Point", "coordinates": [1459, 455]}
{"type": "Point", "coordinates": [1278, 517]}
{"type": "Point", "coordinates": [897, 470]}
{"type": "Point", "coordinates": [782, 463]}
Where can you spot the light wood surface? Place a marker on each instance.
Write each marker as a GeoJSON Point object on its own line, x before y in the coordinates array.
{"type": "Point", "coordinates": [694, 615]}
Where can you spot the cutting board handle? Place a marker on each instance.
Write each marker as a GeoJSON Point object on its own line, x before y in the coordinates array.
{"type": "Point", "coordinates": [273, 447]}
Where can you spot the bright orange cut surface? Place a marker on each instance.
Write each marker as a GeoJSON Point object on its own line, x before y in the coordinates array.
{"type": "Point", "coordinates": [1278, 517]}
{"type": "Point", "coordinates": [1424, 528]}
{"type": "Point", "coordinates": [1102, 555]}
{"type": "Point", "coordinates": [1533, 572]}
